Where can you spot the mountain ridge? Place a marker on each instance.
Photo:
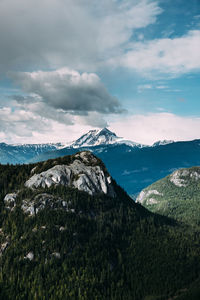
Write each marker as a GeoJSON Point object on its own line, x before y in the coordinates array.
{"type": "Point", "coordinates": [133, 167]}
{"type": "Point", "coordinates": [59, 242]}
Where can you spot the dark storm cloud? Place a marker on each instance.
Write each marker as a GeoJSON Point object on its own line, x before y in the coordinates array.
{"type": "Point", "coordinates": [68, 90]}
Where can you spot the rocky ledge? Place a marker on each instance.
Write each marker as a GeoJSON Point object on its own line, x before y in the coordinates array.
{"type": "Point", "coordinates": [83, 174]}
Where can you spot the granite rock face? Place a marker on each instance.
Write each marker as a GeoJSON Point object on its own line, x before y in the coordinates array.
{"type": "Point", "coordinates": [143, 197]}
{"type": "Point", "coordinates": [10, 200]}
{"type": "Point", "coordinates": [83, 174]}
{"type": "Point", "coordinates": [181, 178]}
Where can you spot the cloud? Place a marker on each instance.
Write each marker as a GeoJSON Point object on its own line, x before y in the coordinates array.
{"type": "Point", "coordinates": [52, 104]}
{"type": "Point", "coordinates": [171, 57]}
{"type": "Point", "coordinates": [81, 34]}
{"type": "Point", "coordinates": [16, 124]}
{"type": "Point", "coordinates": [25, 124]}
{"type": "Point", "coordinates": [143, 87]}
{"type": "Point", "coordinates": [148, 86]}
{"type": "Point", "coordinates": [91, 35]}
{"type": "Point", "coordinates": [68, 90]}
{"type": "Point", "coordinates": [20, 125]}
{"type": "Point", "coordinates": [157, 126]}
{"type": "Point", "coordinates": [162, 87]}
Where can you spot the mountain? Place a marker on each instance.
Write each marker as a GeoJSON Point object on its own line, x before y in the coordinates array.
{"type": "Point", "coordinates": [85, 173]}
{"type": "Point", "coordinates": [161, 143]}
{"type": "Point", "coordinates": [95, 138]}
{"type": "Point", "coordinates": [68, 231]}
{"type": "Point", "coordinates": [18, 154]}
{"type": "Point", "coordinates": [176, 196]}
{"type": "Point", "coordinates": [101, 137]}
{"type": "Point", "coordinates": [14, 154]}
{"type": "Point", "coordinates": [135, 168]}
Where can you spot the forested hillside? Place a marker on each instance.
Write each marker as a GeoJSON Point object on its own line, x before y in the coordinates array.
{"type": "Point", "coordinates": [74, 245]}
{"type": "Point", "coordinates": [176, 196]}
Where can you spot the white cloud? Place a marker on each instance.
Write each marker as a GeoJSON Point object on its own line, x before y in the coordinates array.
{"type": "Point", "coordinates": [33, 123]}
{"type": "Point", "coordinates": [24, 126]}
{"type": "Point", "coordinates": [171, 57]}
{"type": "Point", "coordinates": [148, 86]}
{"type": "Point", "coordinates": [157, 126]}
{"type": "Point", "coordinates": [54, 103]}
{"type": "Point", "coordinates": [20, 124]}
{"type": "Point", "coordinates": [81, 34]}
{"type": "Point", "coordinates": [68, 90]}
{"type": "Point", "coordinates": [143, 87]}
{"type": "Point", "coordinates": [162, 87]}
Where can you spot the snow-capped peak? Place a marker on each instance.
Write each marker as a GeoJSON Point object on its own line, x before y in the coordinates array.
{"type": "Point", "coordinates": [164, 142]}
{"type": "Point", "coordinates": [101, 137]}
{"type": "Point", "coordinates": [95, 138]}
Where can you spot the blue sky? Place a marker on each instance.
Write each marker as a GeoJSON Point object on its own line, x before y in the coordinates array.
{"type": "Point", "coordinates": [70, 66]}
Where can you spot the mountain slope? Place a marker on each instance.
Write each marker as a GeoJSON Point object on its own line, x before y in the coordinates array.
{"type": "Point", "coordinates": [132, 165]}
{"type": "Point", "coordinates": [14, 154]}
{"type": "Point", "coordinates": [101, 137]}
{"type": "Point", "coordinates": [95, 138]}
{"type": "Point", "coordinates": [24, 153]}
{"type": "Point", "coordinates": [58, 242]}
{"type": "Point", "coordinates": [176, 196]}
{"type": "Point", "coordinates": [135, 168]}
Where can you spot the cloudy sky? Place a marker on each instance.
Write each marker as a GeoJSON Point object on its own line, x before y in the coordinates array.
{"type": "Point", "coordinates": [68, 66]}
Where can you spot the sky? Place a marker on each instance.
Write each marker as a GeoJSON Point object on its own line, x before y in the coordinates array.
{"type": "Point", "coordinates": [69, 66]}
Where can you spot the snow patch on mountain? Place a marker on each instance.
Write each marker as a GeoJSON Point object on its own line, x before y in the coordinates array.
{"type": "Point", "coordinates": [163, 142]}
{"type": "Point", "coordinates": [101, 137]}
{"type": "Point", "coordinates": [95, 138]}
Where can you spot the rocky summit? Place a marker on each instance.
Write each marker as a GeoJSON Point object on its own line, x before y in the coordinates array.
{"type": "Point", "coordinates": [80, 174]}
{"type": "Point", "coordinates": [83, 172]}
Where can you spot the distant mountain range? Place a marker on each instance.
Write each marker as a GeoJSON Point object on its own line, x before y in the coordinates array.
{"type": "Point", "coordinates": [133, 165]}
{"type": "Point", "coordinates": [19, 154]}
{"type": "Point", "coordinates": [24, 153]}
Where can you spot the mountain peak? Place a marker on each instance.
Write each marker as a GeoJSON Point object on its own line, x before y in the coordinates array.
{"type": "Point", "coordinates": [101, 137]}
{"type": "Point", "coordinates": [105, 130]}
{"type": "Point", "coordinates": [95, 138]}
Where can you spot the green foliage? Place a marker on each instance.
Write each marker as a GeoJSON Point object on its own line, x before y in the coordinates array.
{"type": "Point", "coordinates": [179, 202]}
{"type": "Point", "coordinates": [109, 248]}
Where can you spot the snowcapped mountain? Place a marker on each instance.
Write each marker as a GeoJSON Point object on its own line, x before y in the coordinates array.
{"type": "Point", "coordinates": [23, 153]}
{"type": "Point", "coordinates": [16, 153]}
{"type": "Point", "coordinates": [134, 166]}
{"type": "Point", "coordinates": [96, 138]}
{"type": "Point", "coordinates": [101, 137]}
{"type": "Point", "coordinates": [161, 143]}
